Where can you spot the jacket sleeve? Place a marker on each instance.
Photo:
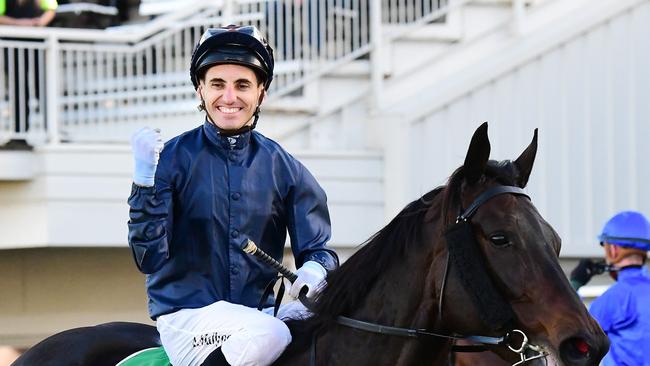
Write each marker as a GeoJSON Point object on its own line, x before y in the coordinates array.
{"type": "Point", "coordinates": [309, 222]}
{"type": "Point", "coordinates": [150, 223]}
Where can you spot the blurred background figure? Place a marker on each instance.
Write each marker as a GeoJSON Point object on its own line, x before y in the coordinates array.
{"type": "Point", "coordinates": [31, 13]}
{"type": "Point", "coordinates": [623, 311]}
{"type": "Point", "coordinates": [97, 14]}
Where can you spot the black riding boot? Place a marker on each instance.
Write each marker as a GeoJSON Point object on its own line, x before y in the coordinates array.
{"type": "Point", "coordinates": [216, 358]}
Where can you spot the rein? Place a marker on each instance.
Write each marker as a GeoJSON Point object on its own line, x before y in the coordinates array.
{"type": "Point", "coordinates": [510, 339]}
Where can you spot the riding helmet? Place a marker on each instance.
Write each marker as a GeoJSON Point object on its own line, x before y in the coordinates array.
{"type": "Point", "coordinates": [241, 45]}
{"type": "Point", "coordinates": [627, 229]}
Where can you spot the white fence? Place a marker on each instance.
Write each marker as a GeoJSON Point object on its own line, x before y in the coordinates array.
{"type": "Point", "coordinates": [55, 81]}
{"type": "Point", "coordinates": [22, 87]}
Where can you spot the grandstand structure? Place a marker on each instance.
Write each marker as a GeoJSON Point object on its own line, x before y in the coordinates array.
{"type": "Point", "coordinates": [378, 98]}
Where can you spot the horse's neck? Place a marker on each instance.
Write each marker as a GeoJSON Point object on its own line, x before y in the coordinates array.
{"type": "Point", "coordinates": [405, 296]}
{"type": "Point", "coordinates": [401, 295]}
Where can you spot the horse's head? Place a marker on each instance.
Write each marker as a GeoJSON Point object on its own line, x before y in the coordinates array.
{"type": "Point", "coordinates": [516, 282]}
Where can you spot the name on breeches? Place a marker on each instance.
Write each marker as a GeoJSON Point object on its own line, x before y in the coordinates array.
{"type": "Point", "coordinates": [208, 339]}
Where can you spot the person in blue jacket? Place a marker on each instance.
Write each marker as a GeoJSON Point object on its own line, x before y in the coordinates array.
{"type": "Point", "coordinates": [198, 197]}
{"type": "Point", "coordinates": [623, 311]}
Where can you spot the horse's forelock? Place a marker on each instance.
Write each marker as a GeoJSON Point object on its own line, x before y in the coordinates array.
{"type": "Point", "coordinates": [503, 172]}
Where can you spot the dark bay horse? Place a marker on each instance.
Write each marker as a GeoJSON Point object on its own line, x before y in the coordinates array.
{"type": "Point", "coordinates": [473, 257]}
{"type": "Point", "coordinates": [401, 277]}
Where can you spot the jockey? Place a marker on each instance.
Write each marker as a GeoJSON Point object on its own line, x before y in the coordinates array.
{"type": "Point", "coordinates": [209, 189]}
{"type": "Point", "coordinates": [623, 311]}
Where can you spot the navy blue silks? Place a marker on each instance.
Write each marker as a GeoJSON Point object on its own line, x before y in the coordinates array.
{"type": "Point", "coordinates": [210, 193]}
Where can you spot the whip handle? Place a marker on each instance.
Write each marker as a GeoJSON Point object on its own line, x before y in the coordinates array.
{"type": "Point", "coordinates": [259, 253]}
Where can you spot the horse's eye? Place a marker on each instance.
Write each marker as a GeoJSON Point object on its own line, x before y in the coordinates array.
{"type": "Point", "coordinates": [500, 240]}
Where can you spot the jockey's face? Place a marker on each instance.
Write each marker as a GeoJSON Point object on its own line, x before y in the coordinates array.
{"type": "Point", "coordinates": [231, 94]}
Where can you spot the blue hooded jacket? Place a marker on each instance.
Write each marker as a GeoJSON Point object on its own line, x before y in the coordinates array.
{"type": "Point", "coordinates": [623, 312]}
{"type": "Point", "coordinates": [211, 193]}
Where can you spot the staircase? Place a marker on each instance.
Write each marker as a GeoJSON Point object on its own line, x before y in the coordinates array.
{"type": "Point", "coordinates": [340, 108]}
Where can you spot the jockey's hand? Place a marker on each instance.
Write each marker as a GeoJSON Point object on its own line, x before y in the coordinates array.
{"type": "Point", "coordinates": [583, 272]}
{"type": "Point", "coordinates": [311, 275]}
{"type": "Point", "coordinates": [147, 145]}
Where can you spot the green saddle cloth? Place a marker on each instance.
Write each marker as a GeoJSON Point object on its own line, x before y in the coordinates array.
{"type": "Point", "coordinates": [147, 357]}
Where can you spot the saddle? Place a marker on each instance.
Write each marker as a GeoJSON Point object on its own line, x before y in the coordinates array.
{"type": "Point", "coordinates": [154, 356]}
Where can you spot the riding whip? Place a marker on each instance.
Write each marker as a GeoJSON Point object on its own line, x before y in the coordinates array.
{"type": "Point", "coordinates": [249, 247]}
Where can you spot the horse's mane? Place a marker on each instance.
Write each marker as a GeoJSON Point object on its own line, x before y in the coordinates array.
{"type": "Point", "coordinates": [360, 271]}
{"type": "Point", "coordinates": [402, 234]}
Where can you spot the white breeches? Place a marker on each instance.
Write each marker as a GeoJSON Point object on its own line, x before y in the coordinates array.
{"type": "Point", "coordinates": [247, 337]}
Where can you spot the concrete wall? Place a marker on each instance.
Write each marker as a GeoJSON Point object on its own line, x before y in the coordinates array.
{"type": "Point", "coordinates": [585, 86]}
{"type": "Point", "coordinates": [44, 291]}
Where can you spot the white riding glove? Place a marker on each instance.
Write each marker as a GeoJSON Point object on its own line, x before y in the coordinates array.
{"type": "Point", "coordinates": [312, 275]}
{"type": "Point", "coordinates": [147, 145]}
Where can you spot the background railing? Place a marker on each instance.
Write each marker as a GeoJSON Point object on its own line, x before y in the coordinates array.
{"type": "Point", "coordinates": [22, 88]}
{"type": "Point", "coordinates": [59, 82]}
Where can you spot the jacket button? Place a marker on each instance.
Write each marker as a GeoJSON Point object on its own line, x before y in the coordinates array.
{"type": "Point", "coordinates": [234, 270]}
{"type": "Point", "coordinates": [234, 233]}
{"type": "Point", "coordinates": [235, 196]}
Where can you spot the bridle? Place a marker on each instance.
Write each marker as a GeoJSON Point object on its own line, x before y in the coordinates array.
{"type": "Point", "coordinates": [516, 340]}
{"type": "Point", "coordinates": [465, 254]}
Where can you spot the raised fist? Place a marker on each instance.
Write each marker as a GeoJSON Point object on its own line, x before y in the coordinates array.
{"type": "Point", "coordinates": [147, 145]}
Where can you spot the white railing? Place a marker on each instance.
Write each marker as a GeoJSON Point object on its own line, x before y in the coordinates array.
{"type": "Point", "coordinates": [55, 82]}
{"type": "Point", "coordinates": [22, 87]}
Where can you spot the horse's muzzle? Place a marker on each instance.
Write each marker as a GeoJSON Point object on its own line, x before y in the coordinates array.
{"type": "Point", "coordinates": [583, 350]}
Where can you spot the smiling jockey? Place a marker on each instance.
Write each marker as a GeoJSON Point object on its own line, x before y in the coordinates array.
{"type": "Point", "coordinates": [194, 201]}
{"type": "Point", "coordinates": [623, 311]}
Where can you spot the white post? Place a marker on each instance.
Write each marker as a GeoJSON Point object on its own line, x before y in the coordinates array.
{"type": "Point", "coordinates": [228, 12]}
{"type": "Point", "coordinates": [518, 14]}
{"type": "Point", "coordinates": [376, 56]}
{"type": "Point", "coordinates": [52, 89]}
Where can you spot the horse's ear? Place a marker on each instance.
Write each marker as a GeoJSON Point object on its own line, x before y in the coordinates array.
{"type": "Point", "coordinates": [524, 162]}
{"type": "Point", "coordinates": [477, 155]}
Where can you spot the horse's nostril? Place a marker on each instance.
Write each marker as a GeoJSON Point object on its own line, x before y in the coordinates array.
{"type": "Point", "coordinates": [575, 351]}
{"type": "Point", "coordinates": [581, 346]}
